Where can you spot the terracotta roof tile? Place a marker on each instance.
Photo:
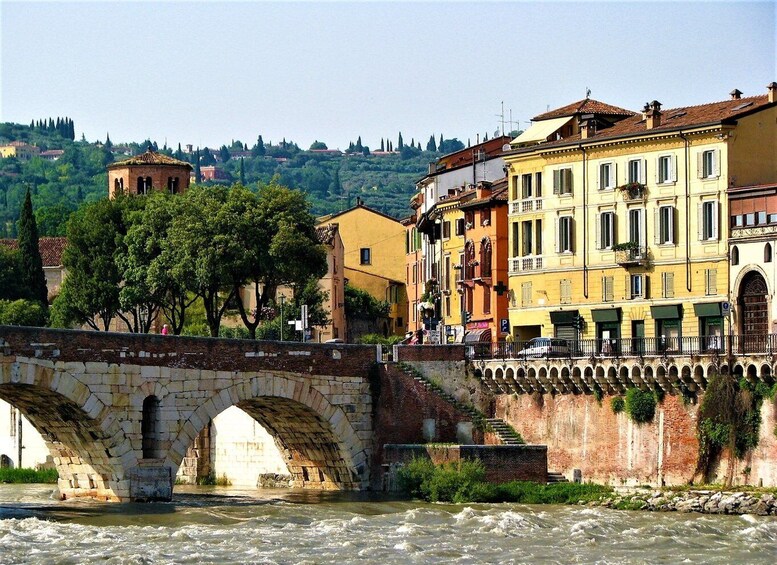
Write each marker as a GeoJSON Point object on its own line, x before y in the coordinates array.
{"type": "Point", "coordinates": [585, 106]}
{"type": "Point", "coordinates": [326, 234]}
{"type": "Point", "coordinates": [150, 158]}
{"type": "Point", "coordinates": [51, 249]}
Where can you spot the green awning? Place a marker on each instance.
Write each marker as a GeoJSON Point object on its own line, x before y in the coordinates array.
{"type": "Point", "coordinates": [709, 310]}
{"type": "Point", "coordinates": [665, 312]}
{"type": "Point", "coordinates": [606, 315]}
{"type": "Point", "coordinates": [563, 317]}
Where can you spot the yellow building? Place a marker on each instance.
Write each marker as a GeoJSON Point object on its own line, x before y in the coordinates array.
{"type": "Point", "coordinates": [374, 257]}
{"type": "Point", "coordinates": [616, 218]}
{"type": "Point", "coordinates": [20, 150]}
{"type": "Point", "coordinates": [451, 271]}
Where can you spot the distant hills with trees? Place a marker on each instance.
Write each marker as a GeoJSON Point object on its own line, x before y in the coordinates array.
{"type": "Point", "coordinates": [383, 178]}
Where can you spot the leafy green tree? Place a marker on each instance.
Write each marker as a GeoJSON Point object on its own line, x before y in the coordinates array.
{"type": "Point", "coordinates": [52, 220]}
{"type": "Point", "coordinates": [11, 286]}
{"type": "Point", "coordinates": [22, 313]}
{"type": "Point", "coordinates": [224, 154]}
{"type": "Point", "coordinates": [450, 146]}
{"type": "Point", "coordinates": [33, 277]}
{"type": "Point", "coordinates": [206, 158]}
{"type": "Point", "coordinates": [335, 187]}
{"type": "Point", "coordinates": [318, 145]}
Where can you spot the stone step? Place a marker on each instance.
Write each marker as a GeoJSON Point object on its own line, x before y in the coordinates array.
{"type": "Point", "coordinates": [554, 477]}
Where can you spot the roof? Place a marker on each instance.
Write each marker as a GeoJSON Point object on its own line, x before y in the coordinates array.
{"type": "Point", "coordinates": [51, 249]}
{"type": "Point", "coordinates": [52, 152]}
{"type": "Point", "coordinates": [329, 217]}
{"type": "Point", "coordinates": [585, 106]}
{"type": "Point", "coordinates": [713, 113]}
{"type": "Point", "coordinates": [498, 194]}
{"type": "Point", "coordinates": [540, 131]}
{"type": "Point", "coordinates": [150, 158]}
{"type": "Point", "coordinates": [326, 233]}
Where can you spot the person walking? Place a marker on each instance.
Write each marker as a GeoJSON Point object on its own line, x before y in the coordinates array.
{"type": "Point", "coordinates": [165, 330]}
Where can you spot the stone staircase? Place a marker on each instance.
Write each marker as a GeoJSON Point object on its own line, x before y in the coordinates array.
{"type": "Point", "coordinates": [554, 477]}
{"type": "Point", "coordinates": [504, 431]}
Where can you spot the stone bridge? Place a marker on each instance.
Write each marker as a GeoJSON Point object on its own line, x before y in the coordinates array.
{"type": "Point", "coordinates": [118, 411]}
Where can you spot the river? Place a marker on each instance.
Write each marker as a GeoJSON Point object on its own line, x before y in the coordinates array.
{"type": "Point", "coordinates": [216, 525]}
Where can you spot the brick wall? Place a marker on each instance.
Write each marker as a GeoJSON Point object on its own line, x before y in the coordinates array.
{"type": "Point", "coordinates": [411, 353]}
{"type": "Point", "coordinates": [503, 463]}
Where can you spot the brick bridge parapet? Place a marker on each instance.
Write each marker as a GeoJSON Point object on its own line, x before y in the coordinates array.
{"type": "Point", "coordinates": [118, 411]}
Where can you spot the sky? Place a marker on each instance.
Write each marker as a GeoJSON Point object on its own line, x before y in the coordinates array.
{"type": "Point", "coordinates": [206, 73]}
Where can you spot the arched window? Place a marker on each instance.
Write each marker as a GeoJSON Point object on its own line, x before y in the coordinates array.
{"type": "Point", "coordinates": [149, 428]}
{"type": "Point", "coordinates": [768, 253]}
{"type": "Point", "coordinates": [735, 255]}
{"type": "Point", "coordinates": [117, 186]}
{"type": "Point", "coordinates": [148, 185]}
{"type": "Point", "coordinates": [172, 185]}
{"type": "Point", "coordinates": [485, 257]}
{"type": "Point", "coordinates": [141, 185]}
{"type": "Point", "coordinates": [469, 260]}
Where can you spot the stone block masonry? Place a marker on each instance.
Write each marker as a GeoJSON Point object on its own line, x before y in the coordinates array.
{"type": "Point", "coordinates": [118, 412]}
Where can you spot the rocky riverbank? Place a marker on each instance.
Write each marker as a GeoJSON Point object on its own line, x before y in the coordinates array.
{"type": "Point", "coordinates": [701, 501]}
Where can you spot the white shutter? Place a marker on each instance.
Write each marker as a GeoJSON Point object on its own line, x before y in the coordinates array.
{"type": "Point", "coordinates": [558, 236]}
{"type": "Point", "coordinates": [716, 162]}
{"type": "Point", "coordinates": [700, 220]}
{"type": "Point", "coordinates": [715, 206]}
{"type": "Point", "coordinates": [670, 219]}
{"type": "Point", "coordinates": [628, 293]}
{"type": "Point", "coordinates": [557, 181]}
{"type": "Point", "coordinates": [614, 177]}
{"type": "Point", "coordinates": [700, 165]}
{"type": "Point", "coordinates": [658, 168]}
{"type": "Point", "coordinates": [673, 168]}
{"type": "Point", "coordinates": [657, 228]}
{"type": "Point", "coordinates": [599, 239]}
{"type": "Point", "coordinates": [599, 178]}
{"type": "Point", "coordinates": [643, 172]}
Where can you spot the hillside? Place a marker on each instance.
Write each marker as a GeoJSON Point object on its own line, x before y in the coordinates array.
{"type": "Point", "coordinates": [331, 179]}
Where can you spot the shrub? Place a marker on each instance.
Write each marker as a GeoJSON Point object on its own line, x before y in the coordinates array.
{"type": "Point", "coordinates": [449, 482]}
{"type": "Point", "coordinates": [22, 313]}
{"type": "Point", "coordinates": [617, 404]}
{"type": "Point", "coordinates": [640, 405]}
{"type": "Point", "coordinates": [30, 476]}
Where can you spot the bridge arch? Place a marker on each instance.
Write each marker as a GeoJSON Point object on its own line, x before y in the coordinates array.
{"type": "Point", "coordinates": [321, 447]}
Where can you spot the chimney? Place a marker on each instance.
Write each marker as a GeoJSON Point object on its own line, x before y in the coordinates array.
{"type": "Point", "coordinates": [654, 115]}
{"type": "Point", "coordinates": [645, 110]}
{"type": "Point", "coordinates": [735, 94]}
{"type": "Point", "coordinates": [772, 89]}
{"type": "Point", "coordinates": [358, 200]}
{"type": "Point", "coordinates": [587, 129]}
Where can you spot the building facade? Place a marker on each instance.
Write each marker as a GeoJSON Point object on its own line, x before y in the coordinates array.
{"type": "Point", "coordinates": [19, 149]}
{"type": "Point", "coordinates": [146, 172]}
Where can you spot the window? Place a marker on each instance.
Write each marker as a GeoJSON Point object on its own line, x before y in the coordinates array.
{"type": "Point", "coordinates": [771, 218]}
{"type": "Point", "coordinates": [710, 281]}
{"type": "Point", "coordinates": [608, 294]}
{"type": "Point", "coordinates": [635, 171]}
{"type": "Point", "coordinates": [172, 185]}
{"type": "Point", "coordinates": [636, 226]}
{"type": "Point", "coordinates": [485, 257]}
{"type": "Point", "coordinates": [538, 185]}
{"type": "Point", "coordinates": [637, 286]}
{"type": "Point", "coordinates": [538, 237]}
{"type": "Point", "coordinates": [460, 226]}
{"type": "Point", "coordinates": [150, 428]}
{"type": "Point", "coordinates": [761, 218]}
{"type": "Point", "coordinates": [667, 282]}
{"type": "Point", "coordinates": [735, 255]}
{"type": "Point", "coordinates": [526, 191]}
{"type": "Point", "coordinates": [526, 294]}
{"type": "Point", "coordinates": [750, 219]}
{"type": "Point", "coordinates": [446, 230]}
{"type": "Point", "coordinates": [526, 238]}
{"type": "Point", "coordinates": [566, 291]}
{"type": "Point", "coordinates": [737, 221]}
{"type": "Point", "coordinates": [486, 299]}
{"type": "Point", "coordinates": [446, 282]}
{"type": "Point", "coordinates": [665, 169]}
{"type": "Point", "coordinates": [365, 257]}
{"type": "Point", "coordinates": [708, 220]}
{"type": "Point", "coordinates": [606, 230]}
{"type": "Point", "coordinates": [564, 236]}
{"type": "Point", "coordinates": [485, 217]}
{"type": "Point", "coordinates": [516, 239]}
{"type": "Point", "coordinates": [708, 165]}
{"type": "Point", "coordinates": [606, 176]}
{"type": "Point", "coordinates": [460, 272]}
{"type": "Point", "coordinates": [516, 184]}
{"type": "Point", "coordinates": [400, 322]}
{"type": "Point", "coordinates": [469, 260]}
{"type": "Point", "coordinates": [768, 253]}
{"type": "Point", "coordinates": [562, 181]}
{"type": "Point", "coordinates": [665, 228]}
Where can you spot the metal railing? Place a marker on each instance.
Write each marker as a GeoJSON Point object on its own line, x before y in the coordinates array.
{"type": "Point", "coordinates": [629, 347]}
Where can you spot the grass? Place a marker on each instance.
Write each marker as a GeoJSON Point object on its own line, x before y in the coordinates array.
{"type": "Point", "coordinates": [28, 476]}
{"type": "Point", "coordinates": [464, 481]}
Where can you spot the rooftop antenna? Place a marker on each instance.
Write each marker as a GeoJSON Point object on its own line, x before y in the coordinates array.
{"type": "Point", "coordinates": [587, 93]}
{"type": "Point", "coordinates": [502, 117]}
{"type": "Point", "coordinates": [512, 123]}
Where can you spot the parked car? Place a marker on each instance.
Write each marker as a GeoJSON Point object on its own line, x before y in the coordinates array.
{"type": "Point", "coordinates": [544, 347]}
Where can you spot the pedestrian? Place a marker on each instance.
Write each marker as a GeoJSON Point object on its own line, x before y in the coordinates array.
{"type": "Point", "coordinates": [509, 340]}
{"type": "Point", "coordinates": [165, 330]}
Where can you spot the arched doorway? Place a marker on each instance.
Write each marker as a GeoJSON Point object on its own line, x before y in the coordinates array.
{"type": "Point", "coordinates": [753, 312]}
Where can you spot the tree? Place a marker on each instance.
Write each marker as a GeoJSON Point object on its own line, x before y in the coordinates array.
{"type": "Point", "coordinates": [207, 157]}
{"type": "Point", "coordinates": [382, 147]}
{"type": "Point", "coordinates": [450, 146]}
{"type": "Point", "coordinates": [197, 171]}
{"type": "Point", "coordinates": [318, 145]}
{"type": "Point", "coordinates": [52, 220]}
{"type": "Point", "coordinates": [11, 287]}
{"type": "Point", "coordinates": [335, 188]}
{"type": "Point", "coordinates": [358, 147]}
{"type": "Point", "coordinates": [400, 145]}
{"type": "Point", "coordinates": [108, 144]}
{"type": "Point", "coordinates": [242, 172]}
{"type": "Point", "coordinates": [33, 277]}
{"type": "Point", "coordinates": [439, 145]}
{"type": "Point", "coordinates": [224, 154]}
{"type": "Point", "coordinates": [258, 150]}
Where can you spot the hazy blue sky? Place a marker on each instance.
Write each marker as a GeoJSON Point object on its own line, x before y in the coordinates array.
{"type": "Point", "coordinates": [208, 72]}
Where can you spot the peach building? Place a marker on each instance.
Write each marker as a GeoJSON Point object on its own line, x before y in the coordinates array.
{"type": "Point", "coordinates": [146, 172]}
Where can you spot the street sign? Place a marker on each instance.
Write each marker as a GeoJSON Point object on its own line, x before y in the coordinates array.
{"type": "Point", "coordinates": [504, 326]}
{"type": "Point", "coordinates": [725, 308]}
{"type": "Point", "coordinates": [304, 316]}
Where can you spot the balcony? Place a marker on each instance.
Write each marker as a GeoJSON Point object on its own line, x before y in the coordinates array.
{"type": "Point", "coordinates": [529, 263]}
{"type": "Point", "coordinates": [526, 205]}
{"type": "Point", "coordinates": [633, 191]}
{"type": "Point", "coordinates": [630, 255]}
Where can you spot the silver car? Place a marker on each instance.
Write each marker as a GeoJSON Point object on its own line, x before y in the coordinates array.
{"type": "Point", "coordinates": [544, 347]}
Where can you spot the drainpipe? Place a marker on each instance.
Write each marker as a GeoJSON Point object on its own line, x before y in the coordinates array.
{"type": "Point", "coordinates": [684, 137]}
{"type": "Point", "coordinates": [585, 222]}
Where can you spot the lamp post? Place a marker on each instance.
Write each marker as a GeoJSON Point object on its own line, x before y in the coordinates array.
{"type": "Point", "coordinates": [283, 299]}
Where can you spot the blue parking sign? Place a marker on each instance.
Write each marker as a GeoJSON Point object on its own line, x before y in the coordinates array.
{"type": "Point", "coordinates": [504, 326]}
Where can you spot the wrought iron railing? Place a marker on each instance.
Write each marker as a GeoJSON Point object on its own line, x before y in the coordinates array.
{"type": "Point", "coordinates": [629, 347]}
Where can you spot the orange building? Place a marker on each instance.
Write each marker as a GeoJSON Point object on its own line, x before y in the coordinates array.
{"type": "Point", "coordinates": [146, 172]}
{"type": "Point", "coordinates": [414, 269]}
{"type": "Point", "coordinates": [483, 283]}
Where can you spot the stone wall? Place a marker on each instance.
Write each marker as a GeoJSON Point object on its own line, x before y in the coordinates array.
{"type": "Point", "coordinates": [584, 434]}
{"type": "Point", "coordinates": [503, 463]}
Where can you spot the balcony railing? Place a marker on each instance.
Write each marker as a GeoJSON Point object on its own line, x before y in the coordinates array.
{"type": "Point", "coordinates": [633, 256]}
{"type": "Point", "coordinates": [630, 347]}
{"type": "Point", "coordinates": [529, 263]}
{"type": "Point", "coordinates": [526, 205]}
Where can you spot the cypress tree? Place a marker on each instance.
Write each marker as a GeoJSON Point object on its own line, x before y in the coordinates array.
{"type": "Point", "coordinates": [197, 173]}
{"type": "Point", "coordinates": [400, 145]}
{"type": "Point", "coordinates": [359, 144]}
{"type": "Point", "coordinates": [439, 145]}
{"type": "Point", "coordinates": [242, 173]}
{"type": "Point", "coordinates": [431, 145]}
{"type": "Point", "coordinates": [33, 278]}
{"type": "Point", "coordinates": [382, 147]}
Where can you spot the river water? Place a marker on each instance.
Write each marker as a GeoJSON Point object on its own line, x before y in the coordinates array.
{"type": "Point", "coordinates": [212, 525]}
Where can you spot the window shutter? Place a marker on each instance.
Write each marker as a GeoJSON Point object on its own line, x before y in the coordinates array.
{"type": "Point", "coordinates": [715, 207]}
{"type": "Point", "coordinates": [599, 178]}
{"type": "Point", "coordinates": [657, 227]}
{"type": "Point", "coordinates": [700, 165]}
{"type": "Point", "coordinates": [700, 219]}
{"type": "Point", "coordinates": [658, 169]}
{"type": "Point", "coordinates": [614, 177]}
{"type": "Point", "coordinates": [558, 235]}
{"type": "Point", "coordinates": [675, 224]}
{"type": "Point", "coordinates": [716, 162]}
{"type": "Point", "coordinates": [643, 172]}
{"type": "Point", "coordinates": [604, 289]}
{"type": "Point", "coordinates": [608, 291]}
{"type": "Point", "coordinates": [712, 281]}
{"type": "Point", "coordinates": [673, 168]}
{"type": "Point", "coordinates": [557, 181]}
{"type": "Point", "coordinates": [571, 235]}
{"type": "Point", "coordinates": [614, 228]}
{"type": "Point", "coordinates": [668, 285]}
{"type": "Point", "coordinates": [629, 293]}
{"type": "Point", "coordinates": [568, 184]}
{"type": "Point", "coordinates": [599, 238]}
{"type": "Point", "coordinates": [646, 287]}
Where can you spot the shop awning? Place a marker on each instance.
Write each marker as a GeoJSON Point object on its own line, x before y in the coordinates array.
{"type": "Point", "coordinates": [606, 315]}
{"type": "Point", "coordinates": [539, 131]}
{"type": "Point", "coordinates": [563, 317]}
{"type": "Point", "coordinates": [475, 336]}
{"type": "Point", "coordinates": [709, 310]}
{"type": "Point", "coordinates": [672, 312]}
